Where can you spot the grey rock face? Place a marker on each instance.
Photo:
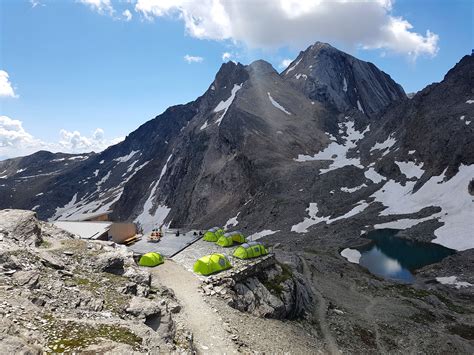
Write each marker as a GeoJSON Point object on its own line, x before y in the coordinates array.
{"type": "Point", "coordinates": [20, 225]}
{"type": "Point", "coordinates": [111, 262]}
{"type": "Point", "coordinates": [328, 75]}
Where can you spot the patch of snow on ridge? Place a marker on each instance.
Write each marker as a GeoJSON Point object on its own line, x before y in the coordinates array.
{"type": "Point", "coordinates": [451, 196]}
{"type": "Point", "coordinates": [293, 67]}
{"type": "Point", "coordinates": [60, 210]}
{"type": "Point", "coordinates": [204, 126]}
{"type": "Point", "coordinates": [147, 219]}
{"type": "Point", "coordinates": [371, 174]}
{"type": "Point", "coordinates": [224, 105]}
{"type": "Point", "coordinates": [404, 223]}
{"type": "Point", "coordinates": [359, 107]}
{"type": "Point", "coordinates": [304, 76]}
{"type": "Point", "coordinates": [410, 169]}
{"type": "Point", "coordinates": [232, 222]}
{"type": "Point", "coordinates": [351, 137]}
{"type": "Point", "coordinates": [303, 226]}
{"type": "Point", "coordinates": [261, 234]}
{"type": "Point", "coordinates": [470, 102]}
{"type": "Point", "coordinates": [388, 143]}
{"type": "Point", "coordinates": [344, 85]}
{"type": "Point", "coordinates": [353, 189]}
{"type": "Point", "coordinates": [352, 255]}
{"type": "Point", "coordinates": [127, 157]}
{"type": "Point", "coordinates": [277, 105]}
{"type": "Point", "coordinates": [453, 280]}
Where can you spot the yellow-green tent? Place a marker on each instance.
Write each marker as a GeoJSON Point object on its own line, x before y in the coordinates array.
{"type": "Point", "coordinates": [151, 259]}
{"type": "Point", "coordinates": [226, 240]}
{"type": "Point", "coordinates": [211, 264]}
{"type": "Point", "coordinates": [250, 250]}
{"type": "Point", "coordinates": [213, 234]}
{"type": "Point", "coordinates": [238, 237]}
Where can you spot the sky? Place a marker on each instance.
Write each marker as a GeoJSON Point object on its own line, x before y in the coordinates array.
{"type": "Point", "coordinates": [79, 75]}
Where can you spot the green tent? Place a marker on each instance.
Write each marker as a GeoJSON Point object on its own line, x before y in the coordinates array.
{"type": "Point", "coordinates": [219, 232]}
{"type": "Point", "coordinates": [210, 235]}
{"type": "Point", "coordinates": [226, 240]}
{"type": "Point", "coordinates": [238, 237]}
{"type": "Point", "coordinates": [210, 264]}
{"type": "Point", "coordinates": [151, 259]}
{"type": "Point", "coordinates": [250, 250]}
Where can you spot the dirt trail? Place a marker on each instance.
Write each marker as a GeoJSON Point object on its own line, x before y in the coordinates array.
{"type": "Point", "coordinates": [197, 314]}
{"type": "Point", "coordinates": [320, 311]}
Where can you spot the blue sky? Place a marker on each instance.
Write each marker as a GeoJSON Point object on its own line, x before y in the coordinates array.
{"type": "Point", "coordinates": [77, 66]}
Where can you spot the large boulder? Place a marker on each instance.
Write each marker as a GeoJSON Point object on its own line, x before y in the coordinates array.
{"type": "Point", "coordinates": [143, 308]}
{"type": "Point", "coordinates": [111, 262]}
{"type": "Point", "coordinates": [20, 225]}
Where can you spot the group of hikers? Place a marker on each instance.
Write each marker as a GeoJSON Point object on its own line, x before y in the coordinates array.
{"type": "Point", "coordinates": [216, 262]}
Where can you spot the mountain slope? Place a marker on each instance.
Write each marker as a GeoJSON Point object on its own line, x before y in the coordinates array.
{"type": "Point", "coordinates": [282, 152]}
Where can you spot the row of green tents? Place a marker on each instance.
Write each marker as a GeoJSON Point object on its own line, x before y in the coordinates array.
{"type": "Point", "coordinates": [218, 236]}
{"type": "Point", "coordinates": [217, 262]}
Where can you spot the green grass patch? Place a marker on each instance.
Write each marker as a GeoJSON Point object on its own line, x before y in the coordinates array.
{"type": "Point", "coordinates": [73, 336]}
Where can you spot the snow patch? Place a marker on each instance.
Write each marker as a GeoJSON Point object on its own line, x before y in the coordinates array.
{"type": "Point", "coordinates": [352, 255]}
{"type": "Point", "coordinates": [204, 126]}
{"type": "Point", "coordinates": [387, 144]}
{"type": "Point", "coordinates": [359, 107]}
{"type": "Point", "coordinates": [404, 223]}
{"type": "Point", "coordinates": [293, 67]}
{"type": "Point", "coordinates": [261, 234]}
{"type": "Point", "coordinates": [337, 153]}
{"type": "Point", "coordinates": [224, 105]}
{"type": "Point", "coordinates": [411, 152]}
{"type": "Point", "coordinates": [410, 169]}
{"type": "Point", "coordinates": [60, 210]}
{"type": "Point", "coordinates": [470, 102]}
{"type": "Point", "coordinates": [127, 157]}
{"type": "Point", "coordinates": [304, 76]}
{"type": "Point", "coordinates": [451, 196]}
{"type": "Point", "coordinates": [232, 222]}
{"type": "Point", "coordinates": [303, 226]}
{"type": "Point", "coordinates": [344, 85]}
{"type": "Point", "coordinates": [371, 174]}
{"type": "Point", "coordinates": [148, 219]}
{"type": "Point", "coordinates": [353, 189]}
{"type": "Point", "coordinates": [96, 172]}
{"type": "Point", "coordinates": [453, 280]}
{"type": "Point", "coordinates": [277, 105]}
{"type": "Point", "coordinates": [102, 162]}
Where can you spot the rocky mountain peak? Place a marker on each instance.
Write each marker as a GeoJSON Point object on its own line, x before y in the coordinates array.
{"type": "Point", "coordinates": [229, 73]}
{"type": "Point", "coordinates": [326, 74]}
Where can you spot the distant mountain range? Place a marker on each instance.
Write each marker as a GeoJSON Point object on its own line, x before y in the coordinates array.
{"type": "Point", "coordinates": [331, 139]}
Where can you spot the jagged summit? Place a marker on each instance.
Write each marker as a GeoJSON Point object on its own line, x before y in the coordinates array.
{"type": "Point", "coordinates": [328, 75]}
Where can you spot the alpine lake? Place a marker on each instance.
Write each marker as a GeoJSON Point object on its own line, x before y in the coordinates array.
{"type": "Point", "coordinates": [396, 258]}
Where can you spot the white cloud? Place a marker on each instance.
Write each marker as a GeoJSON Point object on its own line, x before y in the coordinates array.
{"type": "Point", "coordinates": [284, 63]}
{"type": "Point", "coordinates": [35, 3]}
{"type": "Point", "coordinates": [127, 15]}
{"type": "Point", "coordinates": [16, 141]}
{"type": "Point", "coordinates": [193, 59]}
{"type": "Point", "coordinates": [6, 89]}
{"type": "Point", "coordinates": [226, 56]}
{"type": "Point", "coordinates": [13, 135]}
{"type": "Point", "coordinates": [101, 6]}
{"type": "Point", "coordinates": [272, 24]}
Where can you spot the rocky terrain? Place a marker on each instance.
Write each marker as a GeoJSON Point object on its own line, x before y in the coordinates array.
{"type": "Point", "coordinates": [60, 294]}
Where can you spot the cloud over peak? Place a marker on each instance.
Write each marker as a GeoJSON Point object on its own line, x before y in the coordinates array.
{"type": "Point", "coordinates": [6, 88]}
{"type": "Point", "coordinates": [272, 24]}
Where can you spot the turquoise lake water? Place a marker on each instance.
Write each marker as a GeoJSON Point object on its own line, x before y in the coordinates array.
{"type": "Point", "coordinates": [396, 258]}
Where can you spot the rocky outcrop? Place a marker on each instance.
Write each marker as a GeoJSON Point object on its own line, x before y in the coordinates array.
{"type": "Point", "coordinates": [328, 75]}
{"type": "Point", "coordinates": [69, 295]}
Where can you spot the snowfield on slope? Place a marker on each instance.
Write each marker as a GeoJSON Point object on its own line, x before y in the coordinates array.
{"type": "Point", "coordinates": [224, 105]}
{"type": "Point", "coordinates": [337, 153]}
{"type": "Point", "coordinates": [451, 196]}
{"type": "Point", "coordinates": [277, 105]}
{"type": "Point", "coordinates": [148, 219]}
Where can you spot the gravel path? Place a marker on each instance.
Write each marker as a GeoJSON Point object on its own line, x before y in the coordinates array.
{"type": "Point", "coordinates": [204, 322]}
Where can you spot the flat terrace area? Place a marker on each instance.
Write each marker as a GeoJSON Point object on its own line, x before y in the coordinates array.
{"type": "Point", "coordinates": [169, 245]}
